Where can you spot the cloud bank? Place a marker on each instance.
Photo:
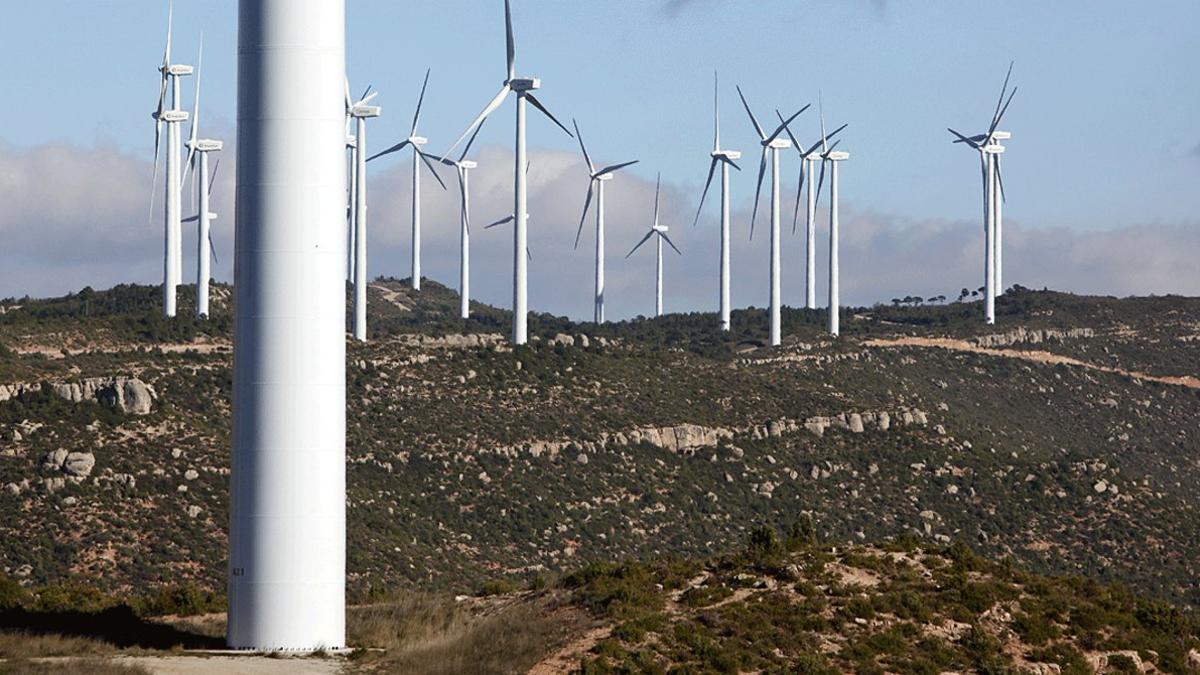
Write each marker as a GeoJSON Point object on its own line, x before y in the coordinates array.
{"type": "Point", "coordinates": [74, 217]}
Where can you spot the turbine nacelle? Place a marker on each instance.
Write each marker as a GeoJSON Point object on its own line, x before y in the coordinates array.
{"type": "Point", "coordinates": [468, 164]}
{"type": "Point", "coordinates": [171, 116]}
{"type": "Point", "coordinates": [993, 149]}
{"type": "Point", "coordinates": [726, 154]}
{"type": "Point", "coordinates": [778, 144]}
{"type": "Point", "coordinates": [523, 84]}
{"type": "Point", "coordinates": [1001, 135]}
{"type": "Point", "coordinates": [660, 228]}
{"type": "Point", "coordinates": [351, 141]}
{"type": "Point", "coordinates": [417, 140]}
{"type": "Point", "coordinates": [837, 156]}
{"type": "Point", "coordinates": [176, 69]}
{"type": "Point", "coordinates": [365, 111]}
{"type": "Point", "coordinates": [205, 145]}
{"type": "Point", "coordinates": [606, 176]}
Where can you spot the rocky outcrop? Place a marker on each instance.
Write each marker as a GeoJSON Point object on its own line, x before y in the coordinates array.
{"type": "Point", "coordinates": [1022, 335]}
{"type": "Point", "coordinates": [77, 465]}
{"type": "Point", "coordinates": [129, 394]}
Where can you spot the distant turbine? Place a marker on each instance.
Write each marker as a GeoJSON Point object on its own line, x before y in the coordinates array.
{"type": "Point", "coordinates": [198, 150]}
{"type": "Point", "coordinates": [808, 161]}
{"type": "Point", "coordinates": [661, 231]}
{"type": "Point", "coordinates": [596, 181]}
{"type": "Point", "coordinates": [724, 158]}
{"type": "Point", "coordinates": [169, 75]}
{"type": "Point", "coordinates": [993, 194]}
{"type": "Point", "coordinates": [771, 144]}
{"type": "Point", "coordinates": [523, 88]}
{"type": "Point", "coordinates": [361, 112]}
{"type": "Point", "coordinates": [352, 181]}
{"type": "Point", "coordinates": [463, 167]}
{"type": "Point", "coordinates": [418, 156]}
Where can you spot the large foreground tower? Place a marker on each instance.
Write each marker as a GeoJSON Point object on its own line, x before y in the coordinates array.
{"type": "Point", "coordinates": [287, 522]}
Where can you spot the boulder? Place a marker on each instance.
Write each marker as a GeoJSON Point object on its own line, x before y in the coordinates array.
{"type": "Point", "coordinates": [53, 461]}
{"type": "Point", "coordinates": [79, 464]}
{"type": "Point", "coordinates": [137, 397]}
{"type": "Point", "coordinates": [564, 340]}
{"type": "Point", "coordinates": [856, 423]}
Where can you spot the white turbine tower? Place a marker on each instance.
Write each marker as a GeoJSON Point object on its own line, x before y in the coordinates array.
{"type": "Point", "coordinates": [169, 78]}
{"type": "Point", "coordinates": [993, 194]}
{"type": "Point", "coordinates": [771, 145]}
{"type": "Point", "coordinates": [661, 232]}
{"type": "Point", "coordinates": [287, 534]}
{"type": "Point", "coordinates": [464, 166]}
{"type": "Point", "coordinates": [808, 164]}
{"type": "Point", "coordinates": [352, 178]}
{"type": "Point", "coordinates": [523, 87]}
{"type": "Point", "coordinates": [361, 112]}
{"type": "Point", "coordinates": [416, 142]}
{"type": "Point", "coordinates": [596, 181]}
{"type": "Point", "coordinates": [198, 151]}
{"type": "Point", "coordinates": [724, 158]}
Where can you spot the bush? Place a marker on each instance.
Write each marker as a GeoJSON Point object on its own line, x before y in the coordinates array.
{"type": "Point", "coordinates": [181, 600]}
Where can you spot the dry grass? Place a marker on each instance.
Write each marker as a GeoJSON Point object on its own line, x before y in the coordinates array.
{"type": "Point", "coordinates": [69, 667]}
{"type": "Point", "coordinates": [22, 645]}
{"type": "Point", "coordinates": [425, 635]}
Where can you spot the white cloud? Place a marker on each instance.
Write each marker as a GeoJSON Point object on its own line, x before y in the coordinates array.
{"type": "Point", "coordinates": [74, 217]}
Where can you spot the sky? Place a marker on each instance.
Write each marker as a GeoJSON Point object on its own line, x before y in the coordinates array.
{"type": "Point", "coordinates": [1100, 173]}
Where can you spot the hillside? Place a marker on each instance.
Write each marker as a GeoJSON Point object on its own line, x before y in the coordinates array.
{"type": "Point", "coordinates": [1063, 439]}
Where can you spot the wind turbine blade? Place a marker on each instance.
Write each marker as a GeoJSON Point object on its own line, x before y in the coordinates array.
{"type": "Point", "coordinates": [443, 160]}
{"type": "Point", "coordinates": [395, 148]}
{"type": "Point", "coordinates": [639, 244]}
{"type": "Point", "coordinates": [1003, 110]}
{"type": "Point", "coordinates": [786, 128]}
{"type": "Point", "coordinates": [669, 242]}
{"type": "Point", "coordinates": [212, 181]}
{"type": "Point", "coordinates": [154, 180]}
{"type": "Point", "coordinates": [1000, 179]}
{"type": "Point", "coordinates": [467, 147]}
{"type": "Point", "coordinates": [194, 132]}
{"type": "Point", "coordinates": [824, 138]}
{"type": "Point", "coordinates": [502, 221]}
{"type": "Point", "coordinates": [730, 162]}
{"type": "Point", "coordinates": [212, 248]}
{"type": "Point", "coordinates": [508, 34]}
{"type": "Point", "coordinates": [963, 139]}
{"type": "Point", "coordinates": [799, 190]}
{"type": "Point", "coordinates": [429, 164]}
{"type": "Point", "coordinates": [834, 146]}
{"type": "Point", "coordinates": [753, 119]}
{"type": "Point", "coordinates": [170, 24]}
{"type": "Point", "coordinates": [366, 91]}
{"type": "Point", "coordinates": [538, 104]}
{"type": "Point", "coordinates": [349, 103]}
{"type": "Point", "coordinates": [821, 179]}
{"type": "Point", "coordinates": [587, 158]}
{"type": "Point", "coordinates": [1003, 91]}
{"type": "Point", "coordinates": [462, 193]}
{"type": "Point", "coordinates": [762, 170]}
{"type": "Point", "coordinates": [712, 169]}
{"type": "Point", "coordinates": [614, 168]}
{"type": "Point", "coordinates": [657, 186]}
{"type": "Point", "coordinates": [785, 124]}
{"type": "Point", "coordinates": [528, 254]}
{"type": "Point", "coordinates": [716, 113]}
{"type": "Point", "coordinates": [587, 203]}
{"type": "Point", "coordinates": [487, 110]}
{"type": "Point", "coordinates": [417, 114]}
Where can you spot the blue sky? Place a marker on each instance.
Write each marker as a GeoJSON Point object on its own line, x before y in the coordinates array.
{"type": "Point", "coordinates": [1104, 122]}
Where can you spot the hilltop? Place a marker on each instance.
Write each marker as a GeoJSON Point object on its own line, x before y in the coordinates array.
{"type": "Point", "coordinates": [1063, 438]}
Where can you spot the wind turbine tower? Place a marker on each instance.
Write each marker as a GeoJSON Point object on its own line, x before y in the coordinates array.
{"type": "Point", "coordinates": [596, 181]}
{"type": "Point", "coordinates": [287, 537]}
{"type": "Point", "coordinates": [726, 159]}
{"type": "Point", "coordinates": [169, 78]}
{"type": "Point", "coordinates": [834, 157]}
{"type": "Point", "coordinates": [463, 167]}
{"type": "Point", "coordinates": [771, 145]}
{"type": "Point", "coordinates": [524, 88]}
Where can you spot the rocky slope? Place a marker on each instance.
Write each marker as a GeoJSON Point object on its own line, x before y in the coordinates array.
{"type": "Point", "coordinates": [1065, 438]}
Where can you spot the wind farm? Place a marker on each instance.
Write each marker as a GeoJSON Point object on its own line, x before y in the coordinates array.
{"type": "Point", "coordinates": [352, 430]}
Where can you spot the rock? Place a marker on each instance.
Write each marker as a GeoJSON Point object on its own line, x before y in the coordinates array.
{"type": "Point", "coordinates": [54, 484]}
{"type": "Point", "coordinates": [919, 417]}
{"type": "Point", "coordinates": [770, 459]}
{"type": "Point", "coordinates": [885, 421]}
{"type": "Point", "coordinates": [79, 464]}
{"type": "Point", "coordinates": [70, 501]}
{"type": "Point", "coordinates": [1100, 487]}
{"type": "Point", "coordinates": [775, 428]}
{"type": "Point", "coordinates": [53, 461]}
{"type": "Point", "coordinates": [856, 423]}
{"type": "Point", "coordinates": [176, 453]}
{"type": "Point", "coordinates": [16, 436]}
{"type": "Point", "coordinates": [484, 477]}
{"type": "Point", "coordinates": [952, 489]}
{"type": "Point", "coordinates": [181, 488]}
{"type": "Point", "coordinates": [191, 474]}
{"type": "Point", "coordinates": [564, 340]}
{"type": "Point", "coordinates": [584, 341]}
{"type": "Point", "coordinates": [12, 489]}
{"type": "Point", "coordinates": [581, 458]}
{"type": "Point", "coordinates": [815, 473]}
{"type": "Point", "coordinates": [23, 571]}
{"type": "Point", "coordinates": [138, 397]}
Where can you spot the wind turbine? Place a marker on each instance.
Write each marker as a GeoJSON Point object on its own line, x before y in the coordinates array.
{"type": "Point", "coordinates": [596, 181]}
{"type": "Point", "coordinates": [169, 77]}
{"type": "Point", "coordinates": [661, 231]}
{"type": "Point", "coordinates": [771, 145]}
{"type": "Point", "coordinates": [523, 87]}
{"type": "Point", "coordinates": [198, 151]}
{"type": "Point", "coordinates": [463, 167]}
{"type": "Point", "coordinates": [352, 182]}
{"type": "Point", "coordinates": [834, 157]}
{"type": "Point", "coordinates": [361, 111]}
{"type": "Point", "coordinates": [808, 162]}
{"type": "Point", "coordinates": [725, 159]}
{"type": "Point", "coordinates": [418, 156]}
{"type": "Point", "coordinates": [993, 194]}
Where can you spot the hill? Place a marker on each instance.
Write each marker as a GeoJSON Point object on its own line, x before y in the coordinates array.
{"type": "Point", "coordinates": [1063, 439]}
